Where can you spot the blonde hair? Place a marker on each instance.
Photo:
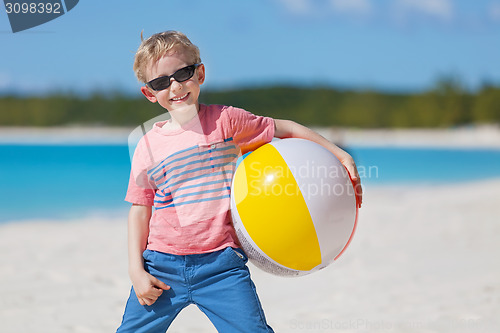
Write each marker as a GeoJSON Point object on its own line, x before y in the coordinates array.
{"type": "Point", "coordinates": [156, 46]}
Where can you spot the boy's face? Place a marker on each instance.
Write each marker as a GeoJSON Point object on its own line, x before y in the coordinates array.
{"type": "Point", "coordinates": [180, 94]}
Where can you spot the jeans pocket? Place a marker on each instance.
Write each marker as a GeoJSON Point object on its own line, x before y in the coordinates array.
{"type": "Point", "coordinates": [149, 258]}
{"type": "Point", "coordinates": [237, 256]}
{"type": "Point", "coordinates": [146, 254]}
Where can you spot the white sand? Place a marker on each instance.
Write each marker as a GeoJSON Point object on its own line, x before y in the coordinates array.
{"type": "Point", "coordinates": [487, 136]}
{"type": "Point", "coordinates": [423, 259]}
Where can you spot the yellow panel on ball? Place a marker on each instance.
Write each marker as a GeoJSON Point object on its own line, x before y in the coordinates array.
{"type": "Point", "coordinates": [274, 212]}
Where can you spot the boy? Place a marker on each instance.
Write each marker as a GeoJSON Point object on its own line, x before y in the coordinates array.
{"type": "Point", "coordinates": [186, 251]}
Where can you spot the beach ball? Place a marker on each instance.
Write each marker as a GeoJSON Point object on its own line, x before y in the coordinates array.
{"type": "Point", "coordinates": [293, 207]}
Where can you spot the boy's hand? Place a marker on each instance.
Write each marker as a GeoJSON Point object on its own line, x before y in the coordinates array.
{"type": "Point", "coordinates": [147, 287]}
{"type": "Point", "coordinates": [348, 163]}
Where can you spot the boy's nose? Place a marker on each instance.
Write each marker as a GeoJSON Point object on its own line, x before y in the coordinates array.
{"type": "Point", "coordinates": [174, 85]}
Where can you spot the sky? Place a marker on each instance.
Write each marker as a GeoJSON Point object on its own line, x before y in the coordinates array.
{"type": "Point", "coordinates": [392, 45]}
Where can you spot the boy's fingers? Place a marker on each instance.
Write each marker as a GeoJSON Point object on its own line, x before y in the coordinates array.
{"type": "Point", "coordinates": [356, 182]}
{"type": "Point", "coordinates": [160, 284]}
{"type": "Point", "coordinates": [358, 191]}
{"type": "Point", "coordinates": [354, 172]}
{"type": "Point", "coordinates": [148, 301]}
{"type": "Point", "coordinates": [351, 168]}
{"type": "Point", "coordinates": [155, 293]}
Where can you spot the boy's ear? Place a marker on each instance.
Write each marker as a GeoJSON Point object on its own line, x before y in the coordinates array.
{"type": "Point", "coordinates": [201, 73]}
{"type": "Point", "coordinates": [149, 94]}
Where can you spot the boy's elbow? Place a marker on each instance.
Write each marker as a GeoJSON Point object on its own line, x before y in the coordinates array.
{"type": "Point", "coordinates": [140, 212]}
{"type": "Point", "coordinates": [284, 128]}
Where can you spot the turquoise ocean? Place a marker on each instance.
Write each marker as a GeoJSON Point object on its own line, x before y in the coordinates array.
{"type": "Point", "coordinates": [55, 181]}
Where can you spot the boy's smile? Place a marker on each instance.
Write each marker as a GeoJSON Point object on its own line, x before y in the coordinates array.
{"type": "Point", "coordinates": [180, 99]}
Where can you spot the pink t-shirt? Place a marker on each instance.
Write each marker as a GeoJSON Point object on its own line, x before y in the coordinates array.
{"type": "Point", "coordinates": [186, 175]}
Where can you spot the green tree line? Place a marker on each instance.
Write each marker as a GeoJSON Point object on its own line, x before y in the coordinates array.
{"type": "Point", "coordinates": [447, 104]}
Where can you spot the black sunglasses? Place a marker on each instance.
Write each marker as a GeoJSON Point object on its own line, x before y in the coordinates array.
{"type": "Point", "coordinates": [181, 75]}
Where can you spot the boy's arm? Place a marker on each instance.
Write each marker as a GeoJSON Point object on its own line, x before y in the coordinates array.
{"type": "Point", "coordinates": [147, 287]}
{"type": "Point", "coordinates": [291, 129]}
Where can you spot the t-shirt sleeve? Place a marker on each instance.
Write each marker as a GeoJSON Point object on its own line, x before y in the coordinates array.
{"type": "Point", "coordinates": [250, 131]}
{"type": "Point", "coordinates": [140, 191]}
{"type": "Point", "coordinates": [139, 195]}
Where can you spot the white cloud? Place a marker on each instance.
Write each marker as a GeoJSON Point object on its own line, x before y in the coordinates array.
{"type": "Point", "coordinates": [357, 7]}
{"type": "Point", "coordinates": [439, 9]}
{"type": "Point", "coordinates": [297, 6]}
{"type": "Point", "coordinates": [494, 11]}
{"type": "Point", "coordinates": [325, 8]}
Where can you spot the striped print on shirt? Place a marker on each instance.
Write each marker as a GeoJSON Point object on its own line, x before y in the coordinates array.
{"type": "Point", "coordinates": [195, 174]}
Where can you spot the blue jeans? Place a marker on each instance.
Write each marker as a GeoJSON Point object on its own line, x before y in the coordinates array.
{"type": "Point", "coordinates": [218, 283]}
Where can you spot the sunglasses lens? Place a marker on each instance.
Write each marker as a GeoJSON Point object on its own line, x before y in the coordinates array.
{"type": "Point", "coordinates": [160, 83]}
{"type": "Point", "coordinates": [184, 74]}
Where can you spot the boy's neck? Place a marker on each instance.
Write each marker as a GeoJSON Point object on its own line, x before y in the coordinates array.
{"type": "Point", "coordinates": [184, 115]}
